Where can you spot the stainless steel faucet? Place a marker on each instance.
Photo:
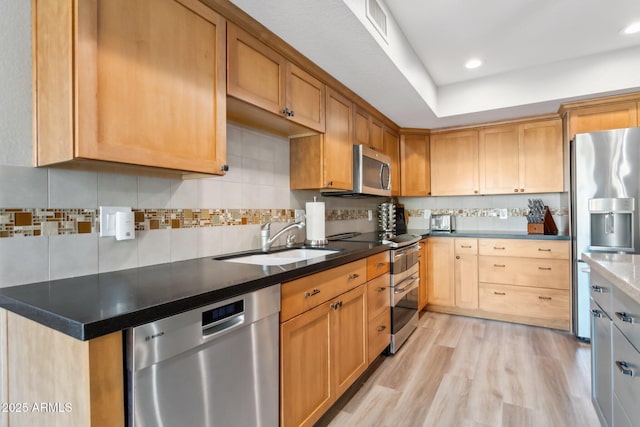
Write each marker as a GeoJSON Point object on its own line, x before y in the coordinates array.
{"type": "Point", "coordinates": [265, 231]}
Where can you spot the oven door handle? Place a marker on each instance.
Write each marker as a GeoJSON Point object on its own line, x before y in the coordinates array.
{"type": "Point", "coordinates": [413, 279]}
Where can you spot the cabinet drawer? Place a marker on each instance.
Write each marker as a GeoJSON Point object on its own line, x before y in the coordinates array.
{"type": "Point", "coordinates": [626, 316]}
{"type": "Point", "coordinates": [378, 295]}
{"type": "Point", "coordinates": [466, 246]}
{"type": "Point", "coordinates": [626, 375]}
{"type": "Point", "coordinates": [303, 294]}
{"type": "Point", "coordinates": [379, 334]}
{"type": "Point", "coordinates": [600, 290]}
{"type": "Point", "coordinates": [377, 265]}
{"type": "Point", "coordinates": [525, 301]}
{"type": "Point", "coordinates": [542, 273]}
{"type": "Point", "coordinates": [525, 248]}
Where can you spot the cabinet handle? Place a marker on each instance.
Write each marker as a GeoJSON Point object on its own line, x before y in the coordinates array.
{"type": "Point", "coordinates": [596, 313]}
{"type": "Point", "coordinates": [498, 248]}
{"type": "Point", "coordinates": [380, 290]}
{"type": "Point", "coordinates": [624, 317]}
{"type": "Point", "coordinates": [544, 268]}
{"type": "Point", "coordinates": [224, 168]}
{"type": "Point", "coordinates": [545, 298]}
{"type": "Point", "coordinates": [457, 256]}
{"type": "Point", "coordinates": [499, 265]}
{"type": "Point", "coordinates": [624, 368]}
{"type": "Point", "coordinates": [597, 289]}
{"type": "Point", "coordinates": [522, 190]}
{"type": "Point", "coordinates": [381, 328]}
{"type": "Point", "coordinates": [380, 264]}
{"type": "Point", "coordinates": [544, 250]}
{"type": "Point", "coordinates": [336, 305]}
{"type": "Point", "coordinates": [515, 190]}
{"type": "Point", "coordinates": [465, 246]}
{"type": "Point", "coordinates": [475, 191]}
{"type": "Point", "coordinates": [330, 184]}
{"type": "Point", "coordinates": [353, 276]}
{"type": "Point", "coordinates": [499, 293]}
{"type": "Point", "coordinates": [291, 113]}
{"type": "Point", "coordinates": [312, 293]}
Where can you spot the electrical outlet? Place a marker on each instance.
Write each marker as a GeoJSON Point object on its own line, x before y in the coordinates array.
{"type": "Point", "coordinates": [370, 214]}
{"type": "Point", "coordinates": [300, 214]}
{"type": "Point", "coordinates": [108, 219]}
{"type": "Point", "coordinates": [503, 213]}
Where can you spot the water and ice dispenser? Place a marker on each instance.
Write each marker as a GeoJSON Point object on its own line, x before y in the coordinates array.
{"type": "Point", "coordinates": [612, 222]}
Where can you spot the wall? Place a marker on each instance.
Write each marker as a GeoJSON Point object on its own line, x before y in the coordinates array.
{"type": "Point", "coordinates": [482, 212]}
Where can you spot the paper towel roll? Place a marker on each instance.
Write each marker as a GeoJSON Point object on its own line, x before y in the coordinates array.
{"type": "Point", "coordinates": [315, 223]}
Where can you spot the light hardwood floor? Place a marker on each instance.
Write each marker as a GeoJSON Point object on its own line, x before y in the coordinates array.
{"type": "Point", "coordinates": [460, 371]}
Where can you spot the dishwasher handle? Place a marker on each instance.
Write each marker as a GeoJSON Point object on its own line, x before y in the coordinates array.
{"type": "Point", "coordinates": [211, 331]}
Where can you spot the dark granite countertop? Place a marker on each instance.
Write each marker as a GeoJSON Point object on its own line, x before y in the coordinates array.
{"type": "Point", "coordinates": [489, 234]}
{"type": "Point", "coordinates": [87, 307]}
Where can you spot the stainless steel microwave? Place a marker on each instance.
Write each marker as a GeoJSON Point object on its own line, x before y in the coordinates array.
{"type": "Point", "coordinates": [371, 174]}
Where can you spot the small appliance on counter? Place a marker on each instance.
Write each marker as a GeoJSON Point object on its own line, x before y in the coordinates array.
{"type": "Point", "coordinates": [387, 219]}
{"type": "Point", "coordinates": [443, 222]}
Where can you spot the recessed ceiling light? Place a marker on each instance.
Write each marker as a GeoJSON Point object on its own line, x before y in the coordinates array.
{"type": "Point", "coordinates": [631, 29]}
{"type": "Point", "coordinates": [473, 63]}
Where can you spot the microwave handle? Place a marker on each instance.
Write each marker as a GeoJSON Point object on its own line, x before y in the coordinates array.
{"type": "Point", "coordinates": [385, 185]}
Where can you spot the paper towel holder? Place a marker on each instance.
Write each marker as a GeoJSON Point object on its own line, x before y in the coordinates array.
{"type": "Point", "coordinates": [315, 242]}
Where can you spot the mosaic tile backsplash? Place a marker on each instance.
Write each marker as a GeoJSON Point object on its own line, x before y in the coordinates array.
{"type": "Point", "coordinates": [483, 212]}
{"type": "Point", "coordinates": [52, 222]}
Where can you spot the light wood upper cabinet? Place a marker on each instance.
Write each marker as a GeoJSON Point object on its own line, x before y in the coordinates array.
{"type": "Point", "coordinates": [325, 160]}
{"type": "Point", "coordinates": [140, 84]}
{"type": "Point", "coordinates": [603, 117]}
{"type": "Point", "coordinates": [415, 165]}
{"type": "Point", "coordinates": [338, 150]}
{"type": "Point", "coordinates": [440, 271]}
{"type": "Point", "coordinates": [499, 157]}
{"type": "Point", "coordinates": [541, 158]}
{"type": "Point", "coordinates": [392, 149]}
{"type": "Point", "coordinates": [521, 158]}
{"type": "Point", "coordinates": [454, 163]}
{"type": "Point", "coordinates": [366, 130]}
{"type": "Point", "coordinates": [261, 77]}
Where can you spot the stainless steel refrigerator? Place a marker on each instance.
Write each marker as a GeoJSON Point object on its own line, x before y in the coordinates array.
{"type": "Point", "coordinates": [605, 175]}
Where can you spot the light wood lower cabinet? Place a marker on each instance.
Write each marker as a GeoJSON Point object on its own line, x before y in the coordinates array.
{"type": "Point", "coordinates": [517, 280]}
{"type": "Point", "coordinates": [323, 338]}
{"type": "Point", "coordinates": [466, 273]}
{"type": "Point", "coordinates": [323, 351]}
{"type": "Point", "coordinates": [378, 316]}
{"type": "Point", "coordinates": [423, 294]}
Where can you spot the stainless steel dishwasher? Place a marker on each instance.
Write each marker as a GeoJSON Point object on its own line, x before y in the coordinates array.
{"type": "Point", "coordinates": [213, 366]}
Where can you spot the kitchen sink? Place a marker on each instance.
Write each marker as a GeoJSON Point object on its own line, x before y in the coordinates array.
{"type": "Point", "coordinates": [289, 256]}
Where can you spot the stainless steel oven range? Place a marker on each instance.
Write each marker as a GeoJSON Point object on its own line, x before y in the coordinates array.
{"type": "Point", "coordinates": [405, 278]}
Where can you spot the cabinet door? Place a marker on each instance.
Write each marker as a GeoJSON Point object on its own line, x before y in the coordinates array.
{"type": "Point", "coordinates": [256, 72]}
{"type": "Point", "coordinates": [498, 159]}
{"type": "Point", "coordinates": [466, 281]}
{"type": "Point", "coordinates": [601, 364]}
{"type": "Point", "coordinates": [466, 273]}
{"type": "Point", "coordinates": [422, 289]}
{"type": "Point", "coordinates": [541, 158]}
{"type": "Point", "coordinates": [603, 117]}
{"type": "Point", "coordinates": [348, 338]}
{"type": "Point", "coordinates": [361, 127]}
{"type": "Point", "coordinates": [305, 98]}
{"type": "Point", "coordinates": [151, 84]}
{"type": "Point", "coordinates": [338, 148]}
{"type": "Point", "coordinates": [454, 163]}
{"type": "Point", "coordinates": [440, 271]}
{"type": "Point", "coordinates": [392, 149]}
{"type": "Point", "coordinates": [305, 353]}
{"type": "Point", "coordinates": [376, 137]}
{"type": "Point", "coordinates": [415, 166]}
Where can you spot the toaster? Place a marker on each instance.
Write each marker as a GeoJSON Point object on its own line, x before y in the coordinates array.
{"type": "Point", "coordinates": [443, 222]}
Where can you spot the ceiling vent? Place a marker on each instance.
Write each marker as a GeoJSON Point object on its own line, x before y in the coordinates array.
{"type": "Point", "coordinates": [378, 17]}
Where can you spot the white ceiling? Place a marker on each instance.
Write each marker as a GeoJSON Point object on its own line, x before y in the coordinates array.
{"type": "Point", "coordinates": [537, 53]}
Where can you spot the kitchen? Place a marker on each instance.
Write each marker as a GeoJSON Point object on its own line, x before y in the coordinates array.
{"type": "Point", "coordinates": [257, 181]}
